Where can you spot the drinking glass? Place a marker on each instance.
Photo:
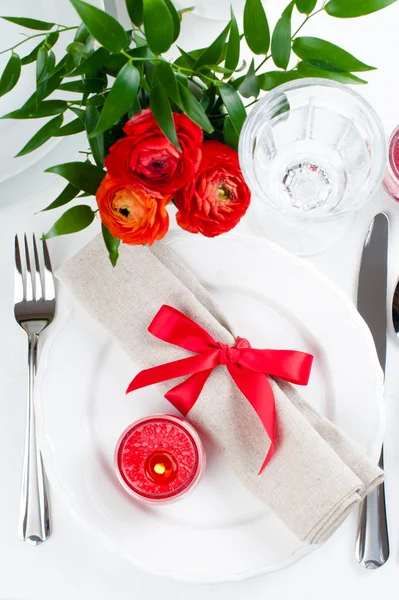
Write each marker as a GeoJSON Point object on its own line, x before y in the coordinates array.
{"type": "Point", "coordinates": [314, 151]}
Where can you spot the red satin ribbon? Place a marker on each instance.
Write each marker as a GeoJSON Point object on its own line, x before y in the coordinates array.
{"type": "Point", "coordinates": [247, 366]}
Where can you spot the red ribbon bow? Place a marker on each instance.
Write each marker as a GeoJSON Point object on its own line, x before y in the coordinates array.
{"type": "Point", "coordinates": [247, 366]}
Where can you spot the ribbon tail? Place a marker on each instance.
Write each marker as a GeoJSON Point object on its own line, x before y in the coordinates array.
{"type": "Point", "coordinates": [257, 389]}
{"type": "Point", "coordinates": [184, 396]}
{"type": "Point", "coordinates": [173, 370]}
{"type": "Point", "coordinates": [268, 457]}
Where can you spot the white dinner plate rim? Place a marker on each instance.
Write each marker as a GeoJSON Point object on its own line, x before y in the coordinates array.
{"type": "Point", "coordinates": [65, 493]}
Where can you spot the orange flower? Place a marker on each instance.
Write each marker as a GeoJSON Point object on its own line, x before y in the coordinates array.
{"type": "Point", "coordinates": [130, 213]}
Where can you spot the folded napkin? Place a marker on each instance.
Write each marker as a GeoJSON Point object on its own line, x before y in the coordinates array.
{"type": "Point", "coordinates": [316, 474]}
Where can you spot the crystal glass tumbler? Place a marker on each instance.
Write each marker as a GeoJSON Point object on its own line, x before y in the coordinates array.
{"type": "Point", "coordinates": [314, 151]}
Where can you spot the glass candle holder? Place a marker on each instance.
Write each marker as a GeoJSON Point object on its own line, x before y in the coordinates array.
{"type": "Point", "coordinates": [391, 178]}
{"type": "Point", "coordinates": [313, 151]}
{"type": "Point", "coordinates": [159, 459]}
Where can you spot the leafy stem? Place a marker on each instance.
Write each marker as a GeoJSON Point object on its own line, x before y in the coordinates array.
{"type": "Point", "coordinates": [262, 63]}
{"type": "Point", "coordinates": [316, 12]}
{"type": "Point", "coordinates": [31, 37]}
{"type": "Point", "coordinates": [127, 55]}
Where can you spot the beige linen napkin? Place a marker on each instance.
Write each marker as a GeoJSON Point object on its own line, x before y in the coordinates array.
{"type": "Point", "coordinates": [316, 475]}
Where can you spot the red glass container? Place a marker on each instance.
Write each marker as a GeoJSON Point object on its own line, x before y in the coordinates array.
{"type": "Point", "coordinates": [159, 459]}
{"type": "Point", "coordinates": [391, 178]}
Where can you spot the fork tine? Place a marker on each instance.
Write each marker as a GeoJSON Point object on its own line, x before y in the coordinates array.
{"type": "Point", "coordinates": [19, 288]}
{"type": "Point", "coordinates": [28, 282]}
{"type": "Point", "coordinates": [49, 290]}
{"type": "Point", "coordinates": [38, 279]}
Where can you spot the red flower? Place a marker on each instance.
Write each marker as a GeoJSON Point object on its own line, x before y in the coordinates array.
{"type": "Point", "coordinates": [147, 158]}
{"type": "Point", "coordinates": [218, 196]}
{"type": "Point", "coordinates": [130, 213]}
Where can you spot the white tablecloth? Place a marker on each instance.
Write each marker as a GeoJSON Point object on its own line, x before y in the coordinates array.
{"type": "Point", "coordinates": [71, 564]}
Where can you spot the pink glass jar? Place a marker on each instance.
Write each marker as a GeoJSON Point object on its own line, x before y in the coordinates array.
{"type": "Point", "coordinates": [159, 459]}
{"type": "Point", "coordinates": [391, 178]}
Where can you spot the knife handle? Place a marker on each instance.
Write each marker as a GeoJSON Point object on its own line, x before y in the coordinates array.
{"type": "Point", "coordinates": [372, 541]}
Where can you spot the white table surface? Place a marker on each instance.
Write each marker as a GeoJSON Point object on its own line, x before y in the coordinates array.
{"type": "Point", "coordinates": [71, 564]}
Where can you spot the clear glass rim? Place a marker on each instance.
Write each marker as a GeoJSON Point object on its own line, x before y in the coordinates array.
{"type": "Point", "coordinates": [271, 97]}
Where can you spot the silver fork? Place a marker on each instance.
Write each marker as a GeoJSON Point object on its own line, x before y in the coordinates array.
{"type": "Point", "coordinates": [34, 309]}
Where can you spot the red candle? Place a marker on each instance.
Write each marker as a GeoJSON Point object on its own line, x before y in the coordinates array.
{"type": "Point", "coordinates": [159, 459]}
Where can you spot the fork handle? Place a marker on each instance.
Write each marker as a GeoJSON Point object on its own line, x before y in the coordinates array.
{"type": "Point", "coordinates": [372, 543]}
{"type": "Point", "coordinates": [34, 515]}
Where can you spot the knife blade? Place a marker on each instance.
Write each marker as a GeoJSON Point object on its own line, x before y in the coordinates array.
{"type": "Point", "coordinates": [372, 542]}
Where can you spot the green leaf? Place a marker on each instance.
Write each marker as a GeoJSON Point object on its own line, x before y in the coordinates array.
{"type": "Point", "coordinates": [230, 135]}
{"type": "Point", "coordinates": [73, 86]}
{"type": "Point", "coordinates": [256, 27]}
{"type": "Point", "coordinates": [75, 126]}
{"type": "Point", "coordinates": [158, 25]}
{"type": "Point", "coordinates": [166, 77]}
{"type": "Point", "coordinates": [92, 85]}
{"type": "Point", "coordinates": [104, 28]}
{"type": "Point", "coordinates": [161, 110]}
{"type": "Point", "coordinates": [47, 108]}
{"type": "Point", "coordinates": [97, 141]}
{"type": "Point", "coordinates": [186, 59]}
{"type": "Point", "coordinates": [175, 19]}
{"type": "Point", "coordinates": [79, 113]}
{"type": "Point", "coordinates": [310, 71]}
{"type": "Point", "coordinates": [135, 108]}
{"type": "Point", "coordinates": [233, 45]}
{"type": "Point", "coordinates": [135, 11]}
{"type": "Point", "coordinates": [51, 39]}
{"type": "Point", "coordinates": [325, 54]}
{"type": "Point", "coordinates": [31, 57]}
{"type": "Point", "coordinates": [346, 9]}
{"type": "Point", "coordinates": [30, 23]}
{"type": "Point", "coordinates": [78, 50]}
{"type": "Point", "coordinates": [82, 34]}
{"type": "Point", "coordinates": [139, 39]}
{"type": "Point", "coordinates": [211, 55]}
{"type": "Point", "coordinates": [42, 136]}
{"type": "Point", "coordinates": [65, 66]}
{"type": "Point", "coordinates": [193, 109]}
{"type": "Point", "coordinates": [272, 79]}
{"type": "Point", "coordinates": [120, 98]}
{"type": "Point", "coordinates": [92, 64]}
{"type": "Point", "coordinates": [46, 88]}
{"type": "Point", "coordinates": [281, 39]}
{"type": "Point", "coordinates": [44, 70]}
{"type": "Point", "coordinates": [11, 73]}
{"type": "Point", "coordinates": [112, 244]}
{"type": "Point", "coordinates": [307, 6]}
{"type": "Point", "coordinates": [67, 194]}
{"type": "Point", "coordinates": [41, 62]}
{"type": "Point", "coordinates": [85, 176]}
{"type": "Point", "coordinates": [250, 85]}
{"type": "Point", "coordinates": [73, 220]}
{"type": "Point", "coordinates": [234, 106]}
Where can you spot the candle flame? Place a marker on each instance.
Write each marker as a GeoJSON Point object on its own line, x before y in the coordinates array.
{"type": "Point", "coordinates": [159, 468]}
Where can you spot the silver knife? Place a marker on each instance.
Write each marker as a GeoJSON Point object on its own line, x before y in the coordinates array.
{"type": "Point", "coordinates": [372, 542]}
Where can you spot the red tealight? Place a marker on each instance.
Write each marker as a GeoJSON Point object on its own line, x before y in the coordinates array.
{"type": "Point", "coordinates": [159, 458]}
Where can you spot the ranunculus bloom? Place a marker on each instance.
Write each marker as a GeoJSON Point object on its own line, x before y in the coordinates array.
{"type": "Point", "coordinates": [218, 197]}
{"type": "Point", "coordinates": [130, 213]}
{"type": "Point", "coordinates": [147, 158]}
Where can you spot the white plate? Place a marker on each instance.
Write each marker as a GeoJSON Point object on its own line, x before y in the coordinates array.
{"type": "Point", "coordinates": [14, 133]}
{"type": "Point", "coordinates": [220, 532]}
